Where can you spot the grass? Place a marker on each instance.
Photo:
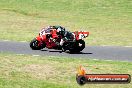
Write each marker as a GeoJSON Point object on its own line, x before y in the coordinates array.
{"type": "Point", "coordinates": [25, 71]}
{"type": "Point", "coordinates": [109, 22]}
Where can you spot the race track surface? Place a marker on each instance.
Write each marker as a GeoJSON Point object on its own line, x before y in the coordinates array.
{"type": "Point", "coordinates": [95, 52]}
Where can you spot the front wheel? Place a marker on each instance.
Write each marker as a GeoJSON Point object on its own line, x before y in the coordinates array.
{"type": "Point", "coordinates": [34, 44]}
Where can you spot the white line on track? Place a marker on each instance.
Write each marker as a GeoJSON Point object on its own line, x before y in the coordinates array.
{"type": "Point", "coordinates": [35, 55]}
{"type": "Point", "coordinates": [95, 59]}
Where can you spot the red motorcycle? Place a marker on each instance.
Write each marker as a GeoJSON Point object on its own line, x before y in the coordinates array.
{"type": "Point", "coordinates": [48, 38]}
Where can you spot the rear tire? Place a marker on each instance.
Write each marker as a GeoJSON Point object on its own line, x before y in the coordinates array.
{"type": "Point", "coordinates": [34, 45]}
{"type": "Point", "coordinates": [79, 46]}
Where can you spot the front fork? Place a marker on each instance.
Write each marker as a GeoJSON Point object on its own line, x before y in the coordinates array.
{"type": "Point", "coordinates": [39, 39]}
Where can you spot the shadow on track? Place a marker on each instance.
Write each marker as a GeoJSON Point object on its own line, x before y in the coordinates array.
{"type": "Point", "coordinates": [44, 50]}
{"type": "Point", "coordinates": [56, 51]}
{"type": "Point", "coordinates": [78, 53]}
{"type": "Point", "coordinates": [59, 51]}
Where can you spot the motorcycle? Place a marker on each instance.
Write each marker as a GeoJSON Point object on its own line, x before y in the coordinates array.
{"type": "Point", "coordinates": [48, 38]}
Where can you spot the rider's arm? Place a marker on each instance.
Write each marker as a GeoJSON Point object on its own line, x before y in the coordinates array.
{"type": "Point", "coordinates": [65, 36]}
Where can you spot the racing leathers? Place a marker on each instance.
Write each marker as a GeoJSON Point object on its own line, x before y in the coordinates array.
{"type": "Point", "coordinates": [66, 36]}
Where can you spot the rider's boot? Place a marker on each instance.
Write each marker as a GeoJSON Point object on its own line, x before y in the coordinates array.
{"type": "Point", "coordinates": [63, 49]}
{"type": "Point", "coordinates": [62, 45]}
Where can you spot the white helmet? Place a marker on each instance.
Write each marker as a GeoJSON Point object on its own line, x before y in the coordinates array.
{"type": "Point", "coordinates": [59, 29]}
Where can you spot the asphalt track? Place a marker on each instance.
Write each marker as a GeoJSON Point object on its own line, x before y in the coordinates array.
{"type": "Point", "coordinates": [96, 52]}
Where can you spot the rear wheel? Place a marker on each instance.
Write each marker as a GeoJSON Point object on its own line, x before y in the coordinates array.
{"type": "Point", "coordinates": [34, 44]}
{"type": "Point", "coordinates": [79, 46]}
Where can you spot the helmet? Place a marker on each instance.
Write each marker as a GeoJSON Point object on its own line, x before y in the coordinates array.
{"type": "Point", "coordinates": [58, 29]}
{"type": "Point", "coordinates": [57, 26]}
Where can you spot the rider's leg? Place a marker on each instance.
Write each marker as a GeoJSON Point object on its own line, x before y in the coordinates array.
{"type": "Point", "coordinates": [61, 44]}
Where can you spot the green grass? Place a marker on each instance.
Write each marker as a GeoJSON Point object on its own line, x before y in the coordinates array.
{"type": "Point", "coordinates": [108, 21]}
{"type": "Point", "coordinates": [25, 71]}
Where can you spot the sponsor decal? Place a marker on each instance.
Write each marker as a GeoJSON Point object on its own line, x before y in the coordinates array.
{"type": "Point", "coordinates": [83, 78]}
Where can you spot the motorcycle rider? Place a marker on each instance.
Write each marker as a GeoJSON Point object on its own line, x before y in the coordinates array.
{"type": "Point", "coordinates": [48, 30]}
{"type": "Point", "coordinates": [65, 36]}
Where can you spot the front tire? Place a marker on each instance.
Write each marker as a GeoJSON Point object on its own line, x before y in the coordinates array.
{"type": "Point", "coordinates": [34, 44]}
